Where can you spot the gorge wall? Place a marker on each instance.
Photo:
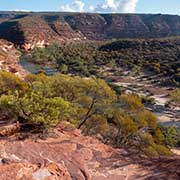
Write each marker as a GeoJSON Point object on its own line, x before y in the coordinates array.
{"type": "Point", "coordinates": [31, 29]}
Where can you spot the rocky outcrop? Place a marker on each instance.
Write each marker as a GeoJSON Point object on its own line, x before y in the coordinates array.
{"type": "Point", "coordinates": [67, 155]}
{"type": "Point", "coordinates": [110, 26]}
{"type": "Point", "coordinates": [9, 130]}
{"type": "Point", "coordinates": [9, 59]}
{"type": "Point", "coordinates": [40, 29]}
{"type": "Point", "coordinates": [27, 171]}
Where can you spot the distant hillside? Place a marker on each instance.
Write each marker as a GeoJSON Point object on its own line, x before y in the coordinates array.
{"type": "Point", "coordinates": [30, 29]}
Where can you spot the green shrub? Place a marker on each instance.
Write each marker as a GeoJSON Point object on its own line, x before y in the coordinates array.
{"type": "Point", "coordinates": [131, 103]}
{"type": "Point", "coordinates": [158, 136]}
{"type": "Point", "coordinates": [10, 82]}
{"type": "Point", "coordinates": [162, 150]}
{"type": "Point", "coordinates": [33, 108]}
{"type": "Point", "coordinates": [150, 152]}
{"type": "Point", "coordinates": [171, 135]}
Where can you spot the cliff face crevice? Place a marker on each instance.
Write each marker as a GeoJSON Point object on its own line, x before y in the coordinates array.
{"type": "Point", "coordinates": [31, 29]}
{"type": "Point", "coordinates": [12, 32]}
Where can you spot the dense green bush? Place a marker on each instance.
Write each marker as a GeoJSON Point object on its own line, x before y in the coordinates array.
{"type": "Point", "coordinates": [9, 83]}
{"type": "Point", "coordinates": [33, 108]}
{"type": "Point", "coordinates": [171, 136]}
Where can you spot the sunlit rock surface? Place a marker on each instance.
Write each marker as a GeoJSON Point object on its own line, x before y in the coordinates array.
{"type": "Point", "coordinates": [69, 156]}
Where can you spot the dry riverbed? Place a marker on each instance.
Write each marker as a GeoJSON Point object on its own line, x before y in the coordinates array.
{"type": "Point", "coordinates": [148, 86]}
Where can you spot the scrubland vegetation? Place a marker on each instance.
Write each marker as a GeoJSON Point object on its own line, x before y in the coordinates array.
{"type": "Point", "coordinates": [42, 102]}
{"type": "Point", "coordinates": [94, 106]}
{"type": "Point", "coordinates": [158, 56]}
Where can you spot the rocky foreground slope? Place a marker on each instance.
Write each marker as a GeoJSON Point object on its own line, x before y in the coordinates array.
{"type": "Point", "coordinates": [71, 156]}
{"type": "Point", "coordinates": [9, 58]}
{"type": "Point", "coordinates": [30, 29]}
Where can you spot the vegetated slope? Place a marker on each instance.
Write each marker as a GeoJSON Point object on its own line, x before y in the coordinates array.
{"type": "Point", "coordinates": [42, 28]}
{"type": "Point", "coordinates": [161, 56]}
{"type": "Point", "coordinates": [62, 152]}
{"type": "Point", "coordinates": [158, 56]}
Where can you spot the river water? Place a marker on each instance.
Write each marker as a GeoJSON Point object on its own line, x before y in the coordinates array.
{"type": "Point", "coordinates": [36, 68]}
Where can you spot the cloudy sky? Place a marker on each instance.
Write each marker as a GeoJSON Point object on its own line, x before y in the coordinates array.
{"type": "Point", "coordinates": [101, 6]}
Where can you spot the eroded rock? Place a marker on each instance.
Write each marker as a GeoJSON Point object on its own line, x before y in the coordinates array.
{"type": "Point", "coordinates": [69, 157]}
{"type": "Point", "coordinates": [9, 59]}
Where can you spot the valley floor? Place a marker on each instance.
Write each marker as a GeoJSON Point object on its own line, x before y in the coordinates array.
{"type": "Point", "coordinates": [148, 86]}
{"type": "Point", "coordinates": [141, 84]}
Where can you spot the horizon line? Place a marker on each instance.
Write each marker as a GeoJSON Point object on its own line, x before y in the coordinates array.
{"type": "Point", "coordinates": [54, 11]}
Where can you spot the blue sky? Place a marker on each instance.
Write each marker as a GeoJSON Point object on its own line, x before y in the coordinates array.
{"type": "Point", "coordinates": [116, 6]}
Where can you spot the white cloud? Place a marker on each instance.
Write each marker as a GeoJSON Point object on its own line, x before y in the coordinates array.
{"type": "Point", "coordinates": [108, 6]}
{"type": "Point", "coordinates": [75, 6]}
{"type": "Point", "coordinates": [116, 6]}
{"type": "Point", "coordinates": [129, 6]}
{"type": "Point", "coordinates": [21, 10]}
{"type": "Point", "coordinates": [91, 8]}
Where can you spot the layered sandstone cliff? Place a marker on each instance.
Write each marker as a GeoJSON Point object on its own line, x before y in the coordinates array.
{"type": "Point", "coordinates": [40, 29]}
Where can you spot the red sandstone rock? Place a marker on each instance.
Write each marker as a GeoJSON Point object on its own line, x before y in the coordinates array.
{"type": "Point", "coordinates": [9, 59]}
{"type": "Point", "coordinates": [9, 130]}
{"type": "Point", "coordinates": [70, 157]}
{"type": "Point", "coordinates": [40, 29]}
